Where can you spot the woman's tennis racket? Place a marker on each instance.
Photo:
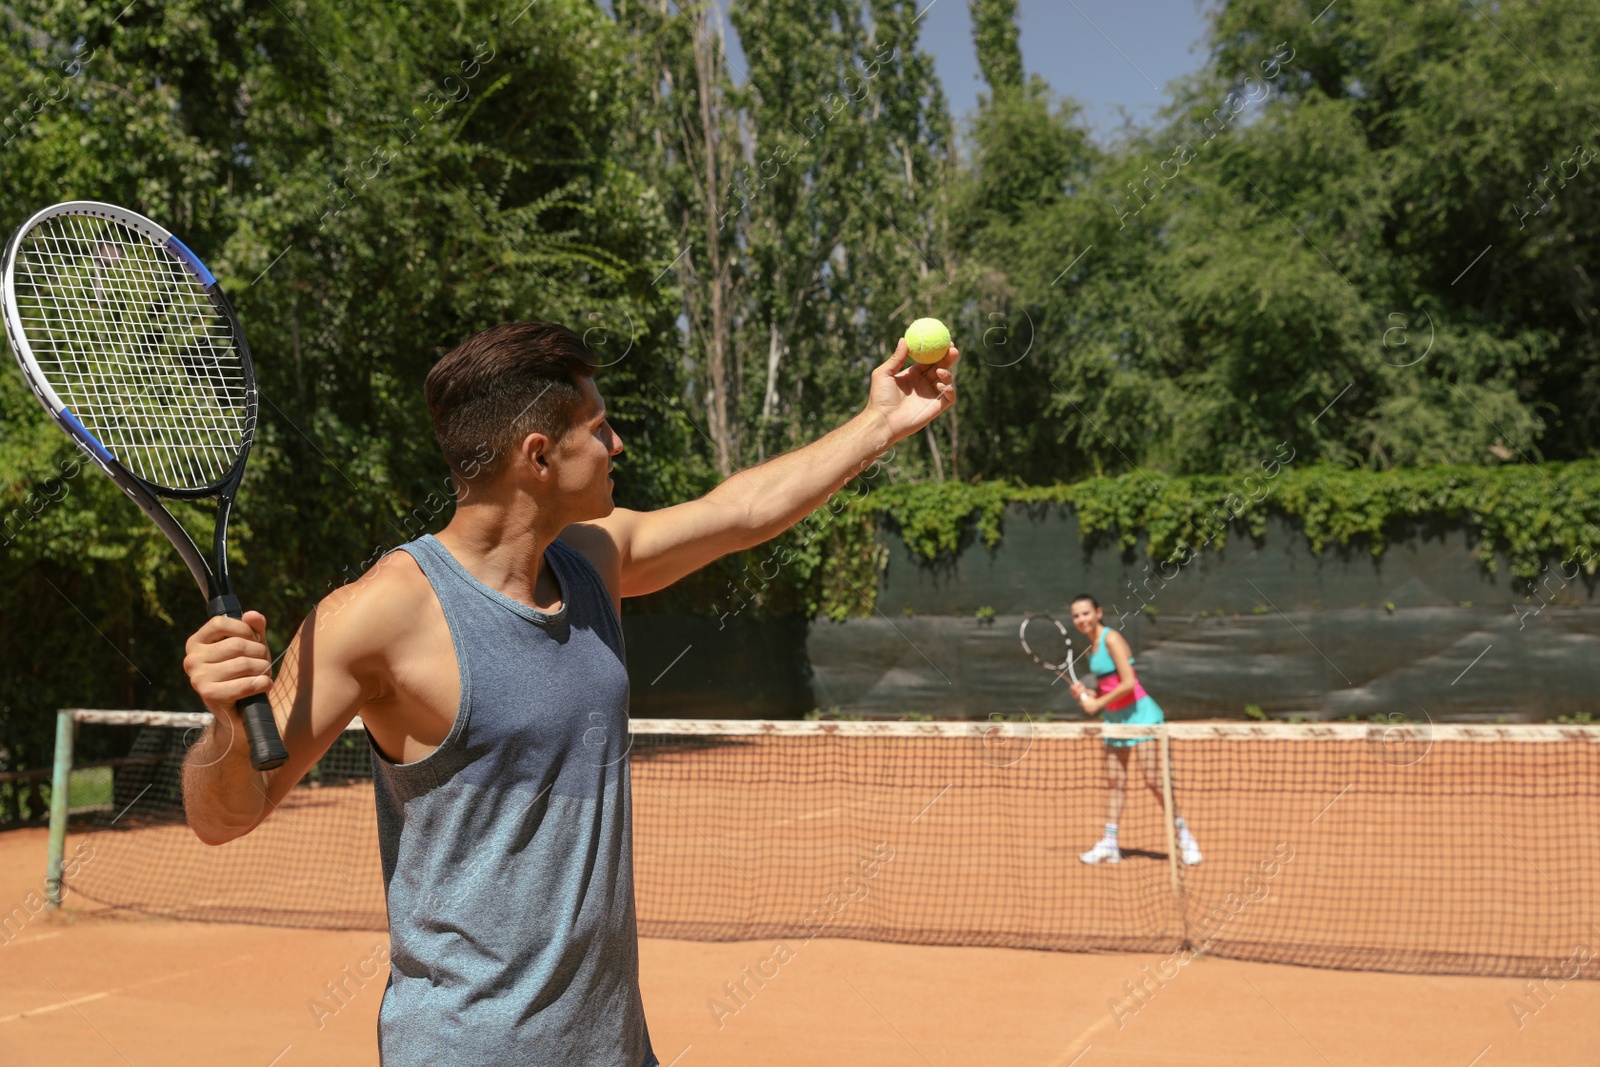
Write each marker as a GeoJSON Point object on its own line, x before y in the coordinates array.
{"type": "Point", "coordinates": [129, 343]}
{"type": "Point", "coordinates": [1049, 644]}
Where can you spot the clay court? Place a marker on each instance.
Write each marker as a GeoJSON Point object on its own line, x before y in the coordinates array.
{"type": "Point", "coordinates": [91, 985]}
{"type": "Point", "coordinates": [890, 897]}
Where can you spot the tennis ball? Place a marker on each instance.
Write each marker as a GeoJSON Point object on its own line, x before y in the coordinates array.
{"type": "Point", "coordinates": [928, 340]}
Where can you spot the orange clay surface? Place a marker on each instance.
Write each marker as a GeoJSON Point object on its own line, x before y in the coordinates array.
{"type": "Point", "coordinates": [90, 985]}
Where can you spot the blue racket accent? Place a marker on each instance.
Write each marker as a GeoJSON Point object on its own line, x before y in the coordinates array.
{"type": "Point", "coordinates": [88, 438]}
{"type": "Point", "coordinates": [183, 253]}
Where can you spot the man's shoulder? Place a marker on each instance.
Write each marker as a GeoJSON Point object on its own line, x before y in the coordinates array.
{"type": "Point", "coordinates": [372, 610]}
{"type": "Point", "coordinates": [599, 543]}
{"type": "Point", "coordinates": [383, 631]}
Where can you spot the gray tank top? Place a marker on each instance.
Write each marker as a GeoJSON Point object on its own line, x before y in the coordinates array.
{"type": "Point", "coordinates": [507, 852]}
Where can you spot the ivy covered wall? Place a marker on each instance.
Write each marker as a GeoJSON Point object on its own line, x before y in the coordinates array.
{"type": "Point", "coordinates": [1310, 592]}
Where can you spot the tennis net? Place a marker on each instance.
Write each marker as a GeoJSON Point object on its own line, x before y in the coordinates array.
{"type": "Point", "coordinates": [1424, 849]}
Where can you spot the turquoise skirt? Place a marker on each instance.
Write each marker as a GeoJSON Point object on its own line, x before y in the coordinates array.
{"type": "Point", "coordinates": [1144, 711]}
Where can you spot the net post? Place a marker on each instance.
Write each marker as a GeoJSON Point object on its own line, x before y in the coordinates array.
{"type": "Point", "coordinates": [1166, 803]}
{"type": "Point", "coordinates": [60, 787]}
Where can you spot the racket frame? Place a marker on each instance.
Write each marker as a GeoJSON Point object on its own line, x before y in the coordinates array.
{"type": "Point", "coordinates": [211, 576]}
{"type": "Point", "coordinates": [1053, 668]}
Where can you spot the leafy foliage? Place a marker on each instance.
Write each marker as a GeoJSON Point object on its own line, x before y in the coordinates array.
{"type": "Point", "coordinates": [995, 33]}
{"type": "Point", "coordinates": [1531, 515]}
{"type": "Point", "coordinates": [1364, 236]}
{"type": "Point", "coordinates": [1382, 207]}
{"type": "Point", "coordinates": [802, 190]}
{"type": "Point", "coordinates": [372, 183]}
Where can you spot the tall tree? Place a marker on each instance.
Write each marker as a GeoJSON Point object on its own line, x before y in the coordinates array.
{"type": "Point", "coordinates": [687, 139]}
{"type": "Point", "coordinates": [997, 36]}
{"type": "Point", "coordinates": [848, 134]}
{"type": "Point", "coordinates": [827, 153]}
{"type": "Point", "coordinates": [1318, 220]}
{"type": "Point", "coordinates": [372, 182]}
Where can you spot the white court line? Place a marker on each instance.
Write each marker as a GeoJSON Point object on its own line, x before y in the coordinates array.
{"type": "Point", "coordinates": [55, 1007]}
{"type": "Point", "coordinates": [824, 813]}
{"type": "Point", "coordinates": [935, 800]}
{"type": "Point", "coordinates": [1081, 1044]}
{"type": "Point", "coordinates": [36, 937]}
{"type": "Point", "coordinates": [750, 831]}
{"type": "Point", "coordinates": [75, 1001]}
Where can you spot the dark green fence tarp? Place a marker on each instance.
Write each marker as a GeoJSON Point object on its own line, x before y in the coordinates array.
{"type": "Point", "coordinates": [1421, 630]}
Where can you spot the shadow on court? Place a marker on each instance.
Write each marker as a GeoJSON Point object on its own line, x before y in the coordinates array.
{"type": "Point", "coordinates": [1142, 854]}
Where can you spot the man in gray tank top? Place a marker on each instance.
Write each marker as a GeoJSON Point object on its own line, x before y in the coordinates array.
{"type": "Point", "coordinates": [487, 664]}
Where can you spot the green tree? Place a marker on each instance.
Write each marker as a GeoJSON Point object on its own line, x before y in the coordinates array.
{"type": "Point", "coordinates": [372, 183]}
{"type": "Point", "coordinates": [804, 190]}
{"type": "Point", "coordinates": [1317, 221]}
{"type": "Point", "coordinates": [996, 34]}
{"type": "Point", "coordinates": [848, 134]}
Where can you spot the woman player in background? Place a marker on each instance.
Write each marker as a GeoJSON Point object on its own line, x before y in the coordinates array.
{"type": "Point", "coordinates": [1122, 699]}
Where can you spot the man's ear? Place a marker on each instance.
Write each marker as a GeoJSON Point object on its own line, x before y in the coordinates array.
{"type": "Point", "coordinates": [534, 452]}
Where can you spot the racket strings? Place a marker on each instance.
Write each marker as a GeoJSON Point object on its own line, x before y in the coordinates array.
{"type": "Point", "coordinates": [142, 290]}
{"type": "Point", "coordinates": [1047, 642]}
{"type": "Point", "coordinates": [1043, 642]}
{"type": "Point", "coordinates": [135, 347]}
{"type": "Point", "coordinates": [133, 298]}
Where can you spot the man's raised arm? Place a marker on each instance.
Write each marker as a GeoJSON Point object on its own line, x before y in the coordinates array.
{"type": "Point", "coordinates": [228, 659]}
{"type": "Point", "coordinates": [657, 548]}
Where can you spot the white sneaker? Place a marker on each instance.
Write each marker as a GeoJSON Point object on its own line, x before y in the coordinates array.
{"type": "Point", "coordinates": [1191, 848]}
{"type": "Point", "coordinates": [1105, 851]}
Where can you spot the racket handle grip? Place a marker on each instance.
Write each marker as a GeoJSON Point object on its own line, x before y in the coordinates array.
{"type": "Point", "coordinates": [260, 728]}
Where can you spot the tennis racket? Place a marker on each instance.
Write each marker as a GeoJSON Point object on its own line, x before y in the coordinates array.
{"type": "Point", "coordinates": [129, 343]}
{"type": "Point", "coordinates": [1049, 644]}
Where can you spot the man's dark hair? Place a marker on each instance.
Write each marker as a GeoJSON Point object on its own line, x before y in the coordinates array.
{"type": "Point", "coordinates": [1085, 596]}
{"type": "Point", "coordinates": [501, 384]}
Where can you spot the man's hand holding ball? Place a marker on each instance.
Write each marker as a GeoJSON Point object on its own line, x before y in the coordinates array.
{"type": "Point", "coordinates": [914, 385]}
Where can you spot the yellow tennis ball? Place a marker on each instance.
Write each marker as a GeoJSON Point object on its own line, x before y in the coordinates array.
{"type": "Point", "coordinates": [928, 340]}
